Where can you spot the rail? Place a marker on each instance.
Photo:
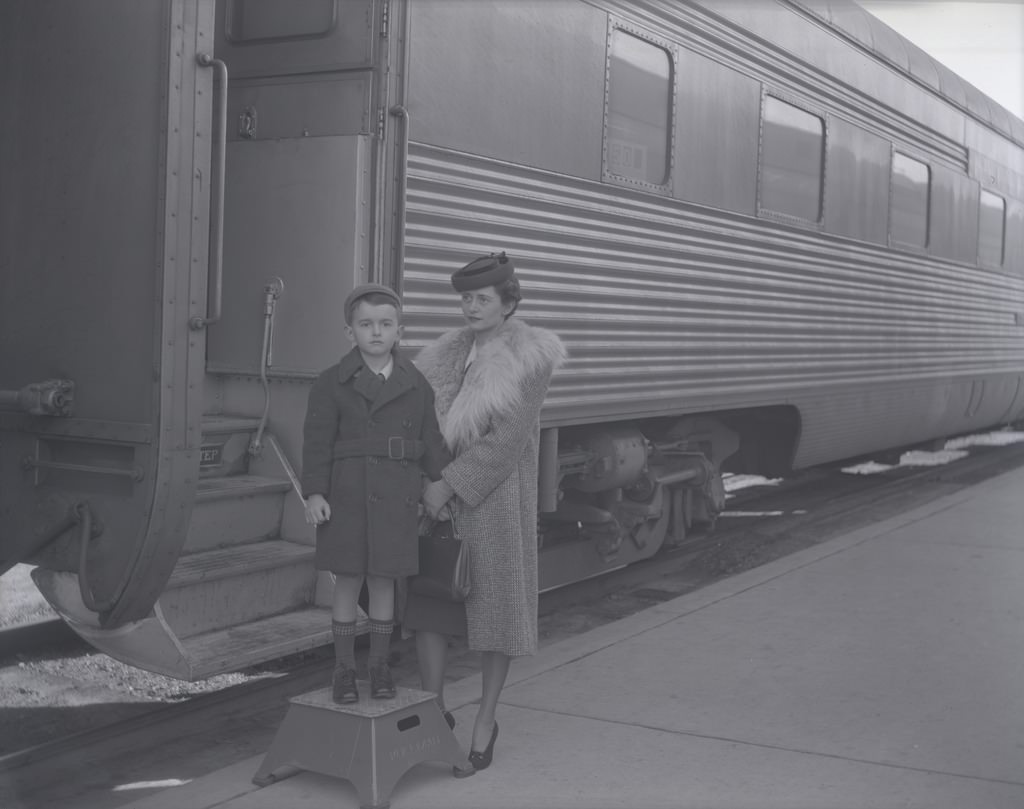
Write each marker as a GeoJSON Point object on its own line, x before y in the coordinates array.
{"type": "Point", "coordinates": [213, 313]}
{"type": "Point", "coordinates": [288, 469]}
{"type": "Point", "coordinates": [398, 111]}
{"type": "Point", "coordinates": [271, 292]}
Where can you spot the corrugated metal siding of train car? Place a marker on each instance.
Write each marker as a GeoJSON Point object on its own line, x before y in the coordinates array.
{"type": "Point", "coordinates": [872, 33]}
{"type": "Point", "coordinates": [667, 308]}
{"type": "Point", "coordinates": [814, 57]}
{"type": "Point", "coordinates": [790, 52]}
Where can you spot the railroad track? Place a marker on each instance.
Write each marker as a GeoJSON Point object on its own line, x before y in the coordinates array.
{"type": "Point", "coordinates": [300, 677]}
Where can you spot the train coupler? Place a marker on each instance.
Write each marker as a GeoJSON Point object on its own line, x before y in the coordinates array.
{"type": "Point", "coordinates": [53, 397]}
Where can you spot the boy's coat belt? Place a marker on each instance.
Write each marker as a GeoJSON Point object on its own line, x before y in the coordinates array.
{"type": "Point", "coordinates": [394, 447]}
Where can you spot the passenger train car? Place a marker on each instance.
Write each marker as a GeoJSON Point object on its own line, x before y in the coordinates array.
{"type": "Point", "coordinates": [772, 234]}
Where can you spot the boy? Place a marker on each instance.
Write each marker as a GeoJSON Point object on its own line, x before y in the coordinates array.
{"type": "Point", "coordinates": [369, 437]}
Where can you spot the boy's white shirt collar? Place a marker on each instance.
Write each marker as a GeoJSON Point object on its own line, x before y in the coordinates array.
{"type": "Point", "coordinates": [386, 370]}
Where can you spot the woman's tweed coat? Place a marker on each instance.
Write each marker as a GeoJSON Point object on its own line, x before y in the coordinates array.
{"type": "Point", "coordinates": [490, 418]}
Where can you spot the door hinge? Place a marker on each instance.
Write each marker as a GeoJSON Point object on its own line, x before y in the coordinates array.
{"type": "Point", "coordinates": [385, 19]}
{"type": "Point", "coordinates": [380, 123]}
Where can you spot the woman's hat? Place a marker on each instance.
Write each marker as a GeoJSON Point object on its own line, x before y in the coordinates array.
{"type": "Point", "coordinates": [486, 271]}
{"type": "Point", "coordinates": [362, 291]}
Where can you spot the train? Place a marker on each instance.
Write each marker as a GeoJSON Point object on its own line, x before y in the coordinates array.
{"type": "Point", "coordinates": [772, 234]}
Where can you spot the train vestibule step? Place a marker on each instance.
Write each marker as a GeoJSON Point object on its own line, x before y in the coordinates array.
{"type": "Point", "coordinates": [235, 510]}
{"type": "Point", "coordinates": [257, 641]}
{"type": "Point", "coordinates": [149, 643]}
{"type": "Point", "coordinates": [244, 588]}
{"type": "Point", "coordinates": [225, 445]}
{"type": "Point", "coordinates": [231, 586]}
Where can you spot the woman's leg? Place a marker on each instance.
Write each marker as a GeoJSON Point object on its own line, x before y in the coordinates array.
{"type": "Point", "coordinates": [432, 655]}
{"type": "Point", "coordinates": [494, 668]}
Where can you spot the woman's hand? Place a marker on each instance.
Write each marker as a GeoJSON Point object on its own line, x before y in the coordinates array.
{"type": "Point", "coordinates": [435, 495]}
{"type": "Point", "coordinates": [318, 510]}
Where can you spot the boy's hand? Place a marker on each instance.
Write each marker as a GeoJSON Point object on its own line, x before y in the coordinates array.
{"type": "Point", "coordinates": [435, 495]}
{"type": "Point", "coordinates": [318, 510]}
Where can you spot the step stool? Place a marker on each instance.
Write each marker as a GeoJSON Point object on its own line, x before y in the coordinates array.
{"type": "Point", "coordinates": [371, 743]}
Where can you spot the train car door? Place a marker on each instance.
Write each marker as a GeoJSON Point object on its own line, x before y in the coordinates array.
{"type": "Point", "coordinates": [299, 195]}
{"type": "Point", "coordinates": [105, 153]}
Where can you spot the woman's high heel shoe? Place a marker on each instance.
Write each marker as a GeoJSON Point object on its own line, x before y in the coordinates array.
{"type": "Point", "coordinates": [478, 761]}
{"type": "Point", "coordinates": [481, 761]}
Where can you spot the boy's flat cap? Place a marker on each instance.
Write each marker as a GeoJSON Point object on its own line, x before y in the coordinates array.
{"type": "Point", "coordinates": [486, 271]}
{"type": "Point", "coordinates": [362, 291]}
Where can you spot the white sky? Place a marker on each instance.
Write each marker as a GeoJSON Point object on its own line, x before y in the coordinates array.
{"type": "Point", "coordinates": [981, 41]}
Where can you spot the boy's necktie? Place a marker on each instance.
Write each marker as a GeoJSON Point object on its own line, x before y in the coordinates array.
{"type": "Point", "coordinates": [378, 384]}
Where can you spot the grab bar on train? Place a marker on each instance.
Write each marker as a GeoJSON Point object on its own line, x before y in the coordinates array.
{"type": "Point", "coordinates": [271, 292]}
{"type": "Point", "coordinates": [398, 111]}
{"type": "Point", "coordinates": [217, 197]}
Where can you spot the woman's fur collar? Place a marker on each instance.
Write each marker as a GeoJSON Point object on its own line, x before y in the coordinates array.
{"type": "Point", "coordinates": [495, 380]}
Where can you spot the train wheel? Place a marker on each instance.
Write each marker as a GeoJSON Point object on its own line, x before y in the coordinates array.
{"type": "Point", "coordinates": [680, 516]}
{"type": "Point", "coordinates": [653, 531]}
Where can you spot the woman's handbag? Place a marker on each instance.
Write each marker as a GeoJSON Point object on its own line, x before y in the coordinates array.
{"type": "Point", "coordinates": [444, 561]}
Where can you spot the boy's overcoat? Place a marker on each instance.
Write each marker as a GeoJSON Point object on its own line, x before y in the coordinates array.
{"type": "Point", "coordinates": [490, 417]}
{"type": "Point", "coordinates": [374, 500]}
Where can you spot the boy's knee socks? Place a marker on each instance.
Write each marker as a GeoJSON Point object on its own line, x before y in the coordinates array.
{"type": "Point", "coordinates": [380, 640]}
{"type": "Point", "coordinates": [344, 643]}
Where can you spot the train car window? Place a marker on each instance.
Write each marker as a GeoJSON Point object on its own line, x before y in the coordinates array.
{"type": "Point", "coordinates": [266, 20]}
{"type": "Point", "coordinates": [911, 182]}
{"type": "Point", "coordinates": [637, 130]}
{"type": "Point", "coordinates": [792, 157]}
{"type": "Point", "coordinates": [991, 227]}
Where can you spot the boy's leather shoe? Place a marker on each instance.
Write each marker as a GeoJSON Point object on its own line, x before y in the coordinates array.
{"type": "Point", "coordinates": [381, 684]}
{"type": "Point", "coordinates": [343, 686]}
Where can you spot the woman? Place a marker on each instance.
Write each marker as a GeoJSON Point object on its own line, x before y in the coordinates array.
{"type": "Point", "coordinates": [490, 378]}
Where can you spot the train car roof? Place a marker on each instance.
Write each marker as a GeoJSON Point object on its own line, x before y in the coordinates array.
{"type": "Point", "coordinates": [873, 34]}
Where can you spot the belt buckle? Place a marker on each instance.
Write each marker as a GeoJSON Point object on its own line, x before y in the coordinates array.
{"type": "Point", "coordinates": [401, 448]}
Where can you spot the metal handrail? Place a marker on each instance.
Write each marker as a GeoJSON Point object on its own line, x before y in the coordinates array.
{"type": "Point", "coordinates": [271, 292]}
{"type": "Point", "coordinates": [213, 313]}
{"type": "Point", "coordinates": [399, 111]}
{"type": "Point", "coordinates": [286, 465]}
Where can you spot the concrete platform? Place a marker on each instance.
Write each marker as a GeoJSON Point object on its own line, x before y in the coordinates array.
{"type": "Point", "coordinates": [881, 669]}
